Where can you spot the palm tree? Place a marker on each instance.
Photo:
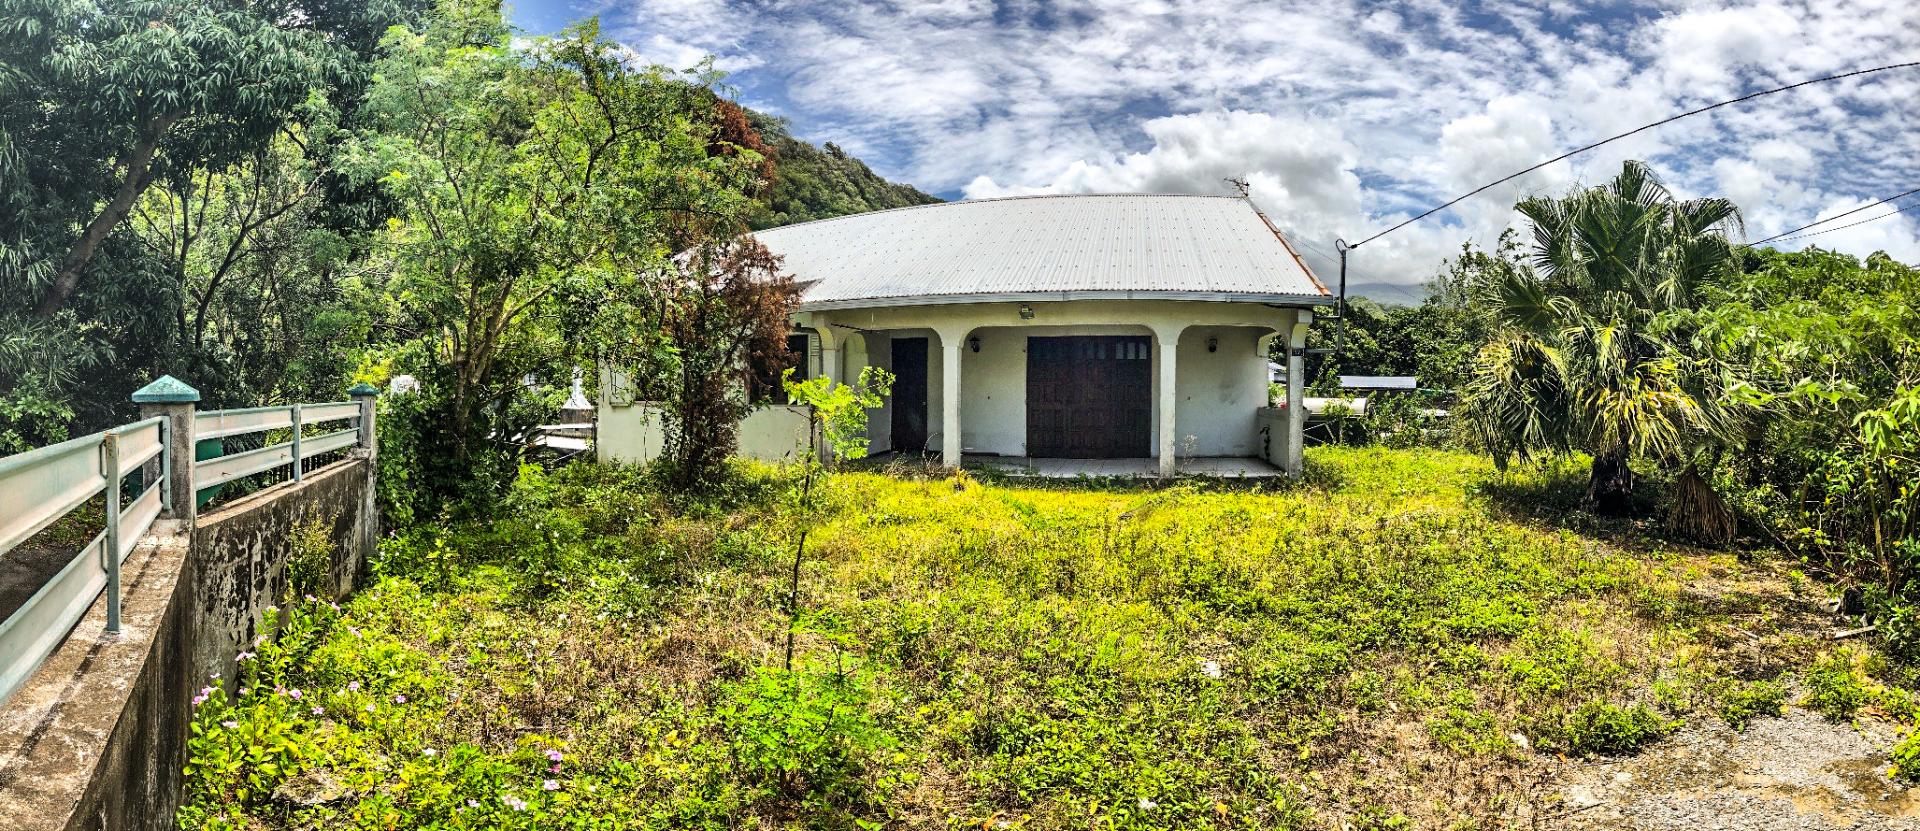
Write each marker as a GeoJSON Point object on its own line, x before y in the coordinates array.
{"type": "Point", "coordinates": [1583, 358]}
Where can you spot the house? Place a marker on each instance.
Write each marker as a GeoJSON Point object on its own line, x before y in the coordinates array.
{"type": "Point", "coordinates": [1128, 326]}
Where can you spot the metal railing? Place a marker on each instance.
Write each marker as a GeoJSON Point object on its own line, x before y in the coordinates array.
{"type": "Point", "coordinates": [39, 488]}
{"type": "Point", "coordinates": [42, 488]}
{"type": "Point", "coordinates": [295, 451]}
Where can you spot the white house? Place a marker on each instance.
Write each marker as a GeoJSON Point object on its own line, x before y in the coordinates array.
{"type": "Point", "coordinates": [1103, 326]}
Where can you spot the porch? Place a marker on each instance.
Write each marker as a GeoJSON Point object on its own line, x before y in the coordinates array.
{"type": "Point", "coordinates": [1215, 467]}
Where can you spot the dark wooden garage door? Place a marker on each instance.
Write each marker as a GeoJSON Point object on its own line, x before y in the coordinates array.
{"type": "Point", "coordinates": [1089, 397]}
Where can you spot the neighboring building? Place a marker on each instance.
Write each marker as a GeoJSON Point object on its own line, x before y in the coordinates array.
{"type": "Point", "coordinates": [1111, 326]}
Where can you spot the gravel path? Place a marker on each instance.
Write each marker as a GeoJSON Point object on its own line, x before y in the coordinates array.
{"type": "Point", "coordinates": [1798, 771]}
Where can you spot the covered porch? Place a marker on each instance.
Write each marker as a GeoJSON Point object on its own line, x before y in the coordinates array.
{"type": "Point", "coordinates": [1215, 467]}
{"type": "Point", "coordinates": [1093, 387]}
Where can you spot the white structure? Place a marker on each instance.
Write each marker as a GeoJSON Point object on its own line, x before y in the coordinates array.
{"type": "Point", "coordinates": [1116, 326]}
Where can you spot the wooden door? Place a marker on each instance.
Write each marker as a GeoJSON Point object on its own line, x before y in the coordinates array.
{"type": "Point", "coordinates": [1089, 397]}
{"type": "Point", "coordinates": [909, 404]}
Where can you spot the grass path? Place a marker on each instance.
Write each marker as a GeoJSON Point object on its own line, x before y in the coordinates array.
{"type": "Point", "coordinates": [1406, 640]}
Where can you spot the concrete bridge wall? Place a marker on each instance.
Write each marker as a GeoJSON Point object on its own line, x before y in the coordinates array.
{"type": "Point", "coordinates": [96, 739]}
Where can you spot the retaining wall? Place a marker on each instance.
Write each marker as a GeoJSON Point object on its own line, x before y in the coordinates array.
{"type": "Point", "coordinates": [96, 739]}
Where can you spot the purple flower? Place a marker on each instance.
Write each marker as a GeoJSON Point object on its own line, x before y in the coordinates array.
{"type": "Point", "coordinates": [293, 694]}
{"type": "Point", "coordinates": [312, 599]}
{"type": "Point", "coordinates": [318, 711]}
{"type": "Point", "coordinates": [353, 686]}
{"type": "Point", "coordinates": [514, 802]}
{"type": "Point", "coordinates": [553, 755]}
{"type": "Point", "coordinates": [370, 708]}
{"type": "Point", "coordinates": [244, 657]}
{"type": "Point", "coordinates": [205, 693]}
{"type": "Point", "coordinates": [230, 725]}
{"type": "Point", "coordinates": [399, 699]}
{"type": "Point", "coordinates": [555, 768]}
{"type": "Point", "coordinates": [549, 785]}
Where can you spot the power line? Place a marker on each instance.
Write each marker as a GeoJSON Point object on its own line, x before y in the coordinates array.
{"type": "Point", "coordinates": [1668, 120]}
{"type": "Point", "coordinates": [1834, 217]}
{"type": "Point", "coordinates": [1851, 224]}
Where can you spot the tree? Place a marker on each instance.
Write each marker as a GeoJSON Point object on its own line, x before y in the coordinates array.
{"type": "Point", "coordinates": [94, 98]}
{"type": "Point", "coordinates": [1581, 359]}
{"type": "Point", "coordinates": [724, 308]}
{"type": "Point", "coordinates": [526, 180]}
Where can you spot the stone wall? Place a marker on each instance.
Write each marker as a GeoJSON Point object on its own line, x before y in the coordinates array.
{"type": "Point", "coordinates": [96, 739]}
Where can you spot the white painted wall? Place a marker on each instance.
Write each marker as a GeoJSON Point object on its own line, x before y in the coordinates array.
{"type": "Point", "coordinates": [1217, 394]}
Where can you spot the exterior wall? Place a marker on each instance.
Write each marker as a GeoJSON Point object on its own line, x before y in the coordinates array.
{"type": "Point", "coordinates": [96, 739]}
{"type": "Point", "coordinates": [1219, 391]}
{"type": "Point", "coordinates": [774, 433]}
{"type": "Point", "coordinates": [1216, 393]}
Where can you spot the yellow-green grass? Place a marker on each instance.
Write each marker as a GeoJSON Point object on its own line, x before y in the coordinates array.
{"type": "Point", "coordinates": [1407, 638]}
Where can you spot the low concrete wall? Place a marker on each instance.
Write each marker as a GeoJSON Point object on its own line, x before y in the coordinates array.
{"type": "Point", "coordinates": [636, 433]}
{"type": "Point", "coordinates": [96, 739]}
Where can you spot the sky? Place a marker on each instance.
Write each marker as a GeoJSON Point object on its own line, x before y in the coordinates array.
{"type": "Point", "coordinates": [1345, 117]}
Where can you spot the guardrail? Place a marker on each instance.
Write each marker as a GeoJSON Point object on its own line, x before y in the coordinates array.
{"type": "Point", "coordinates": [39, 488]}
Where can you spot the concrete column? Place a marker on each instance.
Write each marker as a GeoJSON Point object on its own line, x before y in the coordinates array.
{"type": "Point", "coordinates": [1296, 386]}
{"type": "Point", "coordinates": [172, 398]}
{"type": "Point", "coordinates": [1169, 342]}
{"type": "Point", "coordinates": [365, 393]}
{"type": "Point", "coordinates": [950, 345]}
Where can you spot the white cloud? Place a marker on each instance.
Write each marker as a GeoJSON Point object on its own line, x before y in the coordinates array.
{"type": "Point", "coordinates": [1347, 116]}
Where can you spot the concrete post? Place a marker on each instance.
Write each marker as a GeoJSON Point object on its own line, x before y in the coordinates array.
{"type": "Point", "coordinates": [365, 393]}
{"type": "Point", "coordinates": [1296, 386]}
{"type": "Point", "coordinates": [951, 342]}
{"type": "Point", "coordinates": [172, 398]}
{"type": "Point", "coordinates": [1169, 342]}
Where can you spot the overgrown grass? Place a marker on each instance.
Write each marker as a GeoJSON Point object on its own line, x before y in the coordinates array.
{"type": "Point", "coordinates": [1386, 644]}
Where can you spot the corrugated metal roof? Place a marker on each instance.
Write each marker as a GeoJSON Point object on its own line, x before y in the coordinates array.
{"type": "Point", "coordinates": [1045, 248]}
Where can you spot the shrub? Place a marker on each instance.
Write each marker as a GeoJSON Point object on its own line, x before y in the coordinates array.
{"type": "Point", "coordinates": [1906, 758]}
{"type": "Point", "coordinates": [1741, 703]}
{"type": "Point", "coordinates": [810, 737]}
{"type": "Point", "coordinates": [1598, 726]}
{"type": "Point", "coordinates": [1836, 685]}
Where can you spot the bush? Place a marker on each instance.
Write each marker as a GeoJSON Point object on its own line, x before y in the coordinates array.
{"type": "Point", "coordinates": [1741, 703]}
{"type": "Point", "coordinates": [810, 737]}
{"type": "Point", "coordinates": [1599, 726]}
{"type": "Point", "coordinates": [1836, 685]}
{"type": "Point", "coordinates": [1906, 758]}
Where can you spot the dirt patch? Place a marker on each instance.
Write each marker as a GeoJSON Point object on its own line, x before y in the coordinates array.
{"type": "Point", "coordinates": [1799, 771]}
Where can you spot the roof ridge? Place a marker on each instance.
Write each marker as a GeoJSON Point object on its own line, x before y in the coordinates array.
{"type": "Point", "coordinates": [995, 199]}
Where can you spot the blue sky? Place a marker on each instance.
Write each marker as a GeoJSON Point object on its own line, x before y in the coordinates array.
{"type": "Point", "coordinates": [1346, 116]}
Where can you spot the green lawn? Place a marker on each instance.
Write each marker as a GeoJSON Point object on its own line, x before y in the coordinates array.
{"type": "Point", "coordinates": [1408, 638]}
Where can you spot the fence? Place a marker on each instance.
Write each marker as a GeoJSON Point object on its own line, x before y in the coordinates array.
{"type": "Point", "coordinates": [41, 488]}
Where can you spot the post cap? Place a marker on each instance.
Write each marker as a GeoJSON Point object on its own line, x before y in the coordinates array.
{"type": "Point", "coordinates": [166, 390]}
{"type": "Point", "coordinates": [363, 388]}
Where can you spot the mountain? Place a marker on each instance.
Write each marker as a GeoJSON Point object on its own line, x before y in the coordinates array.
{"type": "Point", "coordinates": [1387, 294]}
{"type": "Point", "coordinates": [821, 182]}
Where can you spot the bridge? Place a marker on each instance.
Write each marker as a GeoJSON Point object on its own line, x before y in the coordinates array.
{"type": "Point", "coordinates": [135, 563]}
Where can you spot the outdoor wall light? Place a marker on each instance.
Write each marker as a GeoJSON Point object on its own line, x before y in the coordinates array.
{"type": "Point", "coordinates": [1026, 313]}
{"type": "Point", "coordinates": [973, 343]}
{"type": "Point", "coordinates": [1213, 344]}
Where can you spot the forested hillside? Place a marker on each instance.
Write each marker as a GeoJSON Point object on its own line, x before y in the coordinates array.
{"type": "Point", "coordinates": [257, 202]}
{"type": "Point", "coordinates": [821, 182]}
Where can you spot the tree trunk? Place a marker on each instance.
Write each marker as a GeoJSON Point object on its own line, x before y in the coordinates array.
{"type": "Point", "coordinates": [133, 182]}
{"type": "Point", "coordinates": [1610, 486]}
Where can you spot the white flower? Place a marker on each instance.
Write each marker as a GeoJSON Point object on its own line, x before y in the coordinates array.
{"type": "Point", "coordinates": [1148, 804]}
{"type": "Point", "coordinates": [1211, 669]}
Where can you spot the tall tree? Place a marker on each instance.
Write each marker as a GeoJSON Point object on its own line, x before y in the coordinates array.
{"type": "Point", "coordinates": [95, 96]}
{"type": "Point", "coordinates": [1581, 360]}
{"type": "Point", "coordinates": [527, 180]}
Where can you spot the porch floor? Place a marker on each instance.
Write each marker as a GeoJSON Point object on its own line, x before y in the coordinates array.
{"type": "Point", "coordinates": [1220, 467]}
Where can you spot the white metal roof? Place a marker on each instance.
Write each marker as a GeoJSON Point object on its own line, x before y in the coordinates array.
{"type": "Point", "coordinates": [1120, 246]}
